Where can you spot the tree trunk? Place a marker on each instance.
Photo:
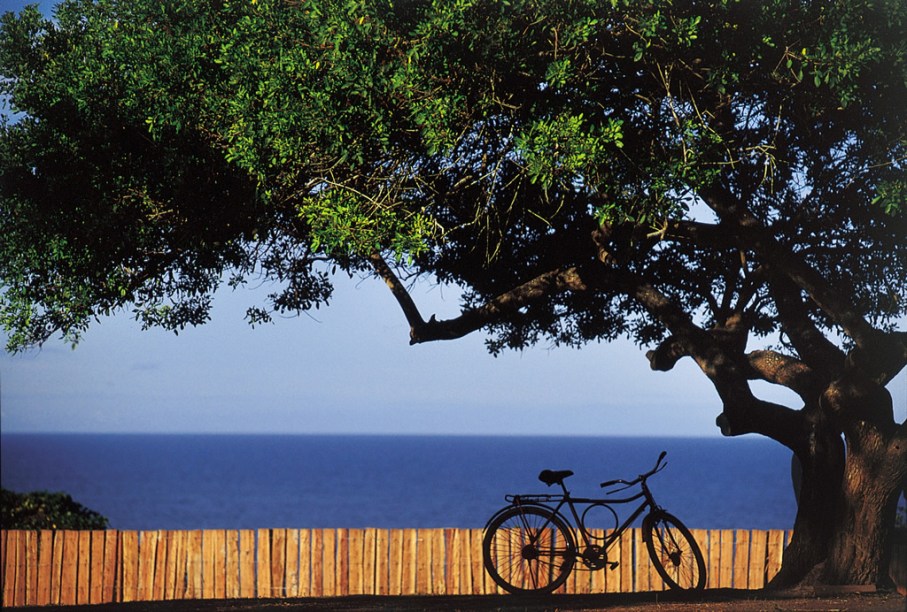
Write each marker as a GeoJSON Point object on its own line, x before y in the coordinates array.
{"type": "Point", "coordinates": [820, 465]}
{"type": "Point", "coordinates": [860, 549]}
{"type": "Point", "coordinates": [850, 487]}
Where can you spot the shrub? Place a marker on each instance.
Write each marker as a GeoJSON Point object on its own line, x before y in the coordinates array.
{"type": "Point", "coordinates": [43, 510]}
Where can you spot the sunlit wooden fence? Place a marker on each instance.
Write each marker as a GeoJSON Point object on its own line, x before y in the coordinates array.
{"type": "Point", "coordinates": [82, 567]}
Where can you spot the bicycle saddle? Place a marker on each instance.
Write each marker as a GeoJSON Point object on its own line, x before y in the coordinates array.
{"type": "Point", "coordinates": [549, 477]}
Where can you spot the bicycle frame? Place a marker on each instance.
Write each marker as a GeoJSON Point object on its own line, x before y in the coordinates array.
{"type": "Point", "coordinates": [565, 499]}
{"type": "Point", "coordinates": [572, 502]}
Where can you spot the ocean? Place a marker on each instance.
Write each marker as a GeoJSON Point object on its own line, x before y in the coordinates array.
{"type": "Point", "coordinates": [146, 482]}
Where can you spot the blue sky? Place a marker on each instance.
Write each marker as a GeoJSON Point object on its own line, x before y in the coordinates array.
{"type": "Point", "coordinates": [345, 368]}
{"type": "Point", "coordinates": [348, 369]}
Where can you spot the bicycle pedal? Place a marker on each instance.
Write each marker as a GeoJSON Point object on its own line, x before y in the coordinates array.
{"type": "Point", "coordinates": [613, 565]}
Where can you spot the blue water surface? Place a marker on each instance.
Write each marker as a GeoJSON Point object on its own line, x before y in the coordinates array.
{"type": "Point", "coordinates": [256, 481]}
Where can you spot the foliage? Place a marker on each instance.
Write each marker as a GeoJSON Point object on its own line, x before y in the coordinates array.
{"type": "Point", "coordinates": [43, 510]}
{"type": "Point", "coordinates": [168, 146]}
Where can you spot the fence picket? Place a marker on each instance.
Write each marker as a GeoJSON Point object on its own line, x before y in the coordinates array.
{"type": "Point", "coordinates": [70, 567]}
{"type": "Point", "coordinates": [305, 563]}
{"type": "Point", "coordinates": [291, 575]}
{"type": "Point", "coordinates": [741, 558]}
{"type": "Point", "coordinates": [278, 562]}
{"type": "Point", "coordinates": [263, 563]}
{"type": "Point", "coordinates": [247, 563]}
{"type": "Point", "coordinates": [775, 550]}
{"type": "Point", "coordinates": [758, 544]}
{"type": "Point", "coordinates": [368, 574]}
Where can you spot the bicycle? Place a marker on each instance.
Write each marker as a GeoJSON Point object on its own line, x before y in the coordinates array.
{"type": "Point", "coordinates": [529, 547]}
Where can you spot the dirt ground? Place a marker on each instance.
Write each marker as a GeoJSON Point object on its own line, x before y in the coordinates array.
{"type": "Point", "coordinates": [718, 600]}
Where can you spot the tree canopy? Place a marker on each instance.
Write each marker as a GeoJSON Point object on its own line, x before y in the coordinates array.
{"type": "Point", "coordinates": [694, 175]}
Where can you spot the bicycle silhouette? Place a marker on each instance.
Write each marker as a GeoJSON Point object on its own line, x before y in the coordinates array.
{"type": "Point", "coordinates": [528, 546]}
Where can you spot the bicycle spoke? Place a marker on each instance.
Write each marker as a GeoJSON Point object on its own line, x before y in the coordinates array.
{"type": "Point", "coordinates": [526, 551]}
{"type": "Point", "coordinates": [675, 554]}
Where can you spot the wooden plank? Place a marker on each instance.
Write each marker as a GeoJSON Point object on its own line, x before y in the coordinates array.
{"type": "Point", "coordinates": [479, 576]}
{"type": "Point", "coordinates": [8, 560]}
{"type": "Point", "coordinates": [208, 563]}
{"type": "Point", "coordinates": [379, 541]}
{"type": "Point", "coordinates": [10, 567]}
{"type": "Point", "coordinates": [408, 569]}
{"type": "Point", "coordinates": [263, 562]}
{"type": "Point", "coordinates": [247, 578]}
{"type": "Point", "coordinates": [342, 571]}
{"type": "Point", "coordinates": [96, 566]}
{"type": "Point", "coordinates": [68, 584]}
{"type": "Point", "coordinates": [599, 577]}
{"type": "Point", "coordinates": [702, 540]}
{"type": "Point", "coordinates": [374, 566]}
{"type": "Point", "coordinates": [317, 562]}
{"type": "Point", "coordinates": [45, 566]}
{"type": "Point", "coordinates": [613, 577]}
{"type": "Point", "coordinates": [129, 543]}
{"type": "Point", "coordinates": [627, 563]}
{"type": "Point", "coordinates": [84, 568]}
{"type": "Point", "coordinates": [292, 563]}
{"type": "Point", "coordinates": [641, 564]}
{"type": "Point", "coordinates": [305, 563]}
{"type": "Point", "coordinates": [452, 561]}
{"type": "Point", "coordinates": [31, 567]}
{"type": "Point", "coordinates": [148, 547]}
{"type": "Point", "coordinates": [775, 553]}
{"type": "Point", "coordinates": [395, 562]}
{"type": "Point", "coordinates": [329, 562]}
{"type": "Point", "coordinates": [758, 549]}
{"type": "Point", "coordinates": [111, 562]}
{"type": "Point", "coordinates": [714, 559]}
{"type": "Point", "coordinates": [159, 580]}
{"type": "Point", "coordinates": [464, 567]}
{"type": "Point", "coordinates": [278, 562]}
{"type": "Point", "coordinates": [231, 577]}
{"type": "Point", "coordinates": [194, 565]}
{"type": "Point", "coordinates": [4, 535]}
{"type": "Point", "coordinates": [20, 597]}
{"type": "Point", "coordinates": [176, 559]}
{"type": "Point", "coordinates": [741, 559]}
{"type": "Point", "coordinates": [726, 566]}
{"type": "Point", "coordinates": [422, 557]}
{"type": "Point", "coordinates": [438, 562]}
{"type": "Point", "coordinates": [20, 574]}
{"type": "Point", "coordinates": [220, 564]}
{"type": "Point", "coordinates": [355, 561]}
{"type": "Point", "coordinates": [56, 576]}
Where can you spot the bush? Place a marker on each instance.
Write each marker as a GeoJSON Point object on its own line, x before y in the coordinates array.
{"type": "Point", "coordinates": [43, 510]}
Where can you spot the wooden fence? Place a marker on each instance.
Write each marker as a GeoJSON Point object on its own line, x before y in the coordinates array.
{"type": "Point", "coordinates": [82, 567]}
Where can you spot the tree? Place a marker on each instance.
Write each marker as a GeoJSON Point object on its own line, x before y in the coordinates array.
{"type": "Point", "coordinates": [717, 180]}
{"type": "Point", "coordinates": [43, 510]}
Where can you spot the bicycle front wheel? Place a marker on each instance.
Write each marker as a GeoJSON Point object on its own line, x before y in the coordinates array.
{"type": "Point", "coordinates": [674, 552]}
{"type": "Point", "coordinates": [528, 549]}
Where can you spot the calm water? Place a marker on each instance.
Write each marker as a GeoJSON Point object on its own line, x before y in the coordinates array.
{"type": "Point", "coordinates": [240, 482]}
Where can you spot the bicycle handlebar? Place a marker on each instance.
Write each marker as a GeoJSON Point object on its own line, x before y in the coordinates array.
{"type": "Point", "coordinates": [629, 483]}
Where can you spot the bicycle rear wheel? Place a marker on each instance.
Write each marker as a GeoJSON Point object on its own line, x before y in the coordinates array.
{"type": "Point", "coordinates": [674, 552]}
{"type": "Point", "coordinates": [528, 549]}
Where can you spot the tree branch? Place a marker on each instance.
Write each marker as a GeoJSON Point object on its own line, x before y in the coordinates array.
{"type": "Point", "coordinates": [409, 308]}
{"type": "Point", "coordinates": [752, 234]}
{"type": "Point", "coordinates": [786, 371]}
{"type": "Point", "coordinates": [724, 366]}
{"type": "Point", "coordinates": [553, 282]}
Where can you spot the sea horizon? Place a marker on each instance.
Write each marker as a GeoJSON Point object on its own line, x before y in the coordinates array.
{"type": "Point", "coordinates": [257, 480]}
